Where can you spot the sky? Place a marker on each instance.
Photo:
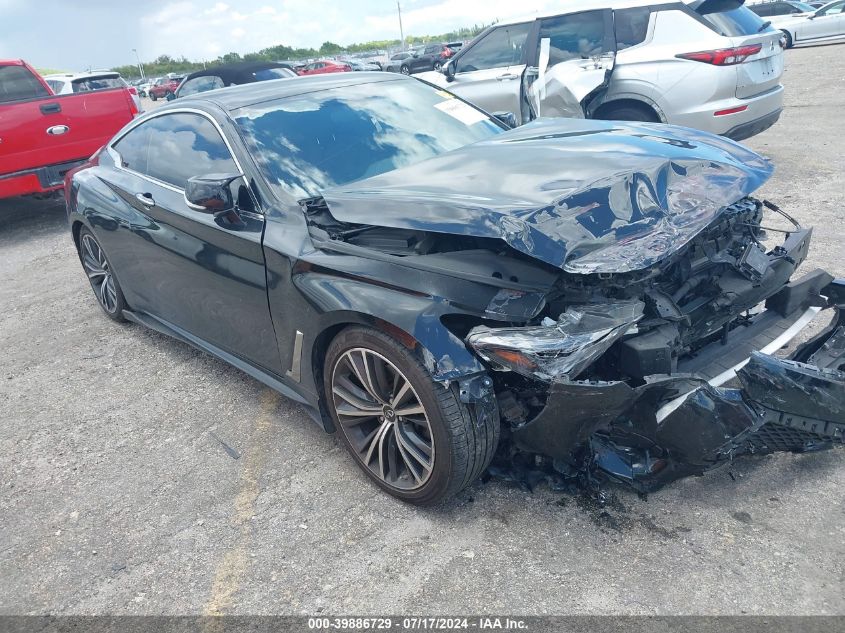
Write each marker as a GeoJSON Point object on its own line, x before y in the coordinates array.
{"type": "Point", "coordinates": [81, 34]}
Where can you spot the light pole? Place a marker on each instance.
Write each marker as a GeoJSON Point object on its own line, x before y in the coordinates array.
{"type": "Point", "coordinates": [401, 31]}
{"type": "Point", "coordinates": [138, 59]}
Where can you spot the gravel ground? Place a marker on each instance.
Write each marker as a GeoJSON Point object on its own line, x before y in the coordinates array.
{"type": "Point", "coordinates": [118, 496]}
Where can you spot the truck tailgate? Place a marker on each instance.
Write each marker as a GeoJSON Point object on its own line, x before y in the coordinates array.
{"type": "Point", "coordinates": [59, 129]}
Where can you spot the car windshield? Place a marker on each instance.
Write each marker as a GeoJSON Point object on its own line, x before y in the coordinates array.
{"type": "Point", "coordinates": [273, 73]}
{"type": "Point", "coordinates": [803, 6]}
{"type": "Point", "coordinates": [311, 142]}
{"type": "Point", "coordinates": [730, 18]}
{"type": "Point", "coordinates": [86, 84]}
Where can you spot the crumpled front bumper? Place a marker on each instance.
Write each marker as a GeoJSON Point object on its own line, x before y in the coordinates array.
{"type": "Point", "coordinates": [678, 425]}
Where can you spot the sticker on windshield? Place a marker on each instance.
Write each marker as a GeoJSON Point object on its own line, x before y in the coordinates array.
{"type": "Point", "coordinates": [461, 111]}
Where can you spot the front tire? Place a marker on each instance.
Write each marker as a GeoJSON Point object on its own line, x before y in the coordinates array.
{"type": "Point", "coordinates": [408, 433]}
{"type": "Point", "coordinates": [96, 265]}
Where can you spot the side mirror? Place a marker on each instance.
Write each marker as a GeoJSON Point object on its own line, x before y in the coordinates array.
{"type": "Point", "coordinates": [211, 193]}
{"type": "Point", "coordinates": [508, 118]}
{"type": "Point", "coordinates": [449, 70]}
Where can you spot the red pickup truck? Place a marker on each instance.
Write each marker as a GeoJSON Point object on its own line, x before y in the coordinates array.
{"type": "Point", "coordinates": [43, 136]}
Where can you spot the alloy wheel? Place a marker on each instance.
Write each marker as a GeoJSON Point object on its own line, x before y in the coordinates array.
{"type": "Point", "coordinates": [383, 418]}
{"type": "Point", "coordinates": [99, 273]}
{"type": "Point", "coordinates": [405, 70]}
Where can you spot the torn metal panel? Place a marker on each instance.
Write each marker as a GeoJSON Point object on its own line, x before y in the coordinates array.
{"type": "Point", "coordinates": [561, 90]}
{"type": "Point", "coordinates": [783, 405]}
{"type": "Point", "coordinates": [557, 349]}
{"type": "Point", "coordinates": [585, 196]}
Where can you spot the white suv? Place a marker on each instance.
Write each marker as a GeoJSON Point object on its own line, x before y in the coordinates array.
{"type": "Point", "coordinates": [707, 64]}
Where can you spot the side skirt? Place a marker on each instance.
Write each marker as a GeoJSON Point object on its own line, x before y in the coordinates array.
{"type": "Point", "coordinates": [173, 331]}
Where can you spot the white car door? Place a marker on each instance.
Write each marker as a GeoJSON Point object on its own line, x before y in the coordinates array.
{"type": "Point", "coordinates": [827, 22]}
{"type": "Point", "coordinates": [575, 56]}
{"type": "Point", "coordinates": [489, 72]}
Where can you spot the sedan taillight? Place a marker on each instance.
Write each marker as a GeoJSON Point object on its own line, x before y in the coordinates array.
{"type": "Point", "coordinates": [724, 56]}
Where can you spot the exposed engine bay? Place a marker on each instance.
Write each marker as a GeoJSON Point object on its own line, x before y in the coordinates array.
{"type": "Point", "coordinates": [622, 374]}
{"type": "Point", "coordinates": [636, 318]}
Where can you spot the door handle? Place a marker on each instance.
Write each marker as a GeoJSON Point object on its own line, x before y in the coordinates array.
{"type": "Point", "coordinates": [56, 130]}
{"type": "Point", "coordinates": [507, 77]}
{"type": "Point", "coordinates": [146, 199]}
{"type": "Point", "coordinates": [50, 108]}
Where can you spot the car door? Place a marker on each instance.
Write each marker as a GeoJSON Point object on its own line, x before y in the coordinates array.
{"type": "Point", "coordinates": [827, 22]}
{"type": "Point", "coordinates": [573, 58]}
{"type": "Point", "coordinates": [202, 274]}
{"type": "Point", "coordinates": [488, 72]}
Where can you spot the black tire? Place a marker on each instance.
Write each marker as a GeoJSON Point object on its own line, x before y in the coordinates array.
{"type": "Point", "coordinates": [153, 96]}
{"type": "Point", "coordinates": [463, 445]}
{"type": "Point", "coordinates": [627, 112]}
{"type": "Point", "coordinates": [103, 282]}
{"type": "Point", "coordinates": [438, 66]}
{"type": "Point", "coordinates": [405, 70]}
{"type": "Point", "coordinates": [788, 37]}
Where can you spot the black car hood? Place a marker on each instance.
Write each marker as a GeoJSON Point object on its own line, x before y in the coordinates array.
{"type": "Point", "coordinates": [585, 196]}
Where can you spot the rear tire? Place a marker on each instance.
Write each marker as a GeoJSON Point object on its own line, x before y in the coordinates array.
{"type": "Point", "coordinates": [788, 38]}
{"type": "Point", "coordinates": [405, 70]}
{"type": "Point", "coordinates": [438, 66]}
{"type": "Point", "coordinates": [627, 112]}
{"type": "Point", "coordinates": [153, 96]}
{"type": "Point", "coordinates": [97, 266]}
{"type": "Point", "coordinates": [449, 446]}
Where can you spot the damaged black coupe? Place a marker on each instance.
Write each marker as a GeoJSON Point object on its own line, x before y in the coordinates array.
{"type": "Point", "coordinates": [433, 285]}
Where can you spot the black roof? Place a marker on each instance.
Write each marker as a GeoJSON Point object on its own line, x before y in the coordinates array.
{"type": "Point", "coordinates": [258, 92]}
{"type": "Point", "coordinates": [236, 73]}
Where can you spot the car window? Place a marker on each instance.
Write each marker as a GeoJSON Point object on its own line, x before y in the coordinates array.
{"type": "Point", "coordinates": [574, 36]}
{"type": "Point", "coordinates": [503, 46]}
{"type": "Point", "coordinates": [273, 73]}
{"type": "Point", "coordinates": [764, 10]}
{"type": "Point", "coordinates": [729, 17]}
{"type": "Point", "coordinates": [17, 84]}
{"type": "Point", "coordinates": [200, 84]}
{"type": "Point", "coordinates": [631, 26]}
{"type": "Point", "coordinates": [307, 143]}
{"type": "Point", "coordinates": [87, 84]}
{"type": "Point", "coordinates": [175, 147]}
{"type": "Point", "coordinates": [55, 86]}
{"type": "Point", "coordinates": [833, 9]}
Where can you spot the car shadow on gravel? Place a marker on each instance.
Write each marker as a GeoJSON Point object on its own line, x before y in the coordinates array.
{"type": "Point", "coordinates": [27, 216]}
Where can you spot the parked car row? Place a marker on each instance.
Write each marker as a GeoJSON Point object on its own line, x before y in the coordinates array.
{"type": "Point", "coordinates": [423, 58]}
{"type": "Point", "coordinates": [826, 24]}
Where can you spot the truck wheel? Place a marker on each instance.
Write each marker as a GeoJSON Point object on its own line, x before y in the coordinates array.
{"type": "Point", "coordinates": [409, 434]}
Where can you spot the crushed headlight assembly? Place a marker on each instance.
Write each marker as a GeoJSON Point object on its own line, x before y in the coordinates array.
{"type": "Point", "coordinates": [557, 349]}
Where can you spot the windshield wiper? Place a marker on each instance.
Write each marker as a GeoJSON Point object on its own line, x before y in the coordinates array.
{"type": "Point", "coordinates": [764, 26]}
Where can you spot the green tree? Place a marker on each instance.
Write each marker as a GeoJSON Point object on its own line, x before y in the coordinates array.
{"type": "Point", "coordinates": [330, 48]}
